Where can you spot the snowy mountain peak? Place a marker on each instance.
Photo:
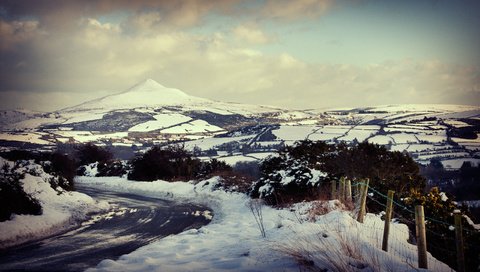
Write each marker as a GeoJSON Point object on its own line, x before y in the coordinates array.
{"type": "Point", "coordinates": [147, 93]}
{"type": "Point", "coordinates": [147, 84]}
{"type": "Point", "coordinates": [150, 85]}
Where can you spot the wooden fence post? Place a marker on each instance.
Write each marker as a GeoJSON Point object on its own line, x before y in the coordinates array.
{"type": "Point", "coordinates": [388, 218]}
{"type": "Point", "coordinates": [363, 201]}
{"type": "Point", "coordinates": [459, 241]}
{"type": "Point", "coordinates": [349, 191]}
{"type": "Point", "coordinates": [334, 190]}
{"type": "Point", "coordinates": [356, 190]}
{"type": "Point", "coordinates": [421, 237]}
{"type": "Point", "coordinates": [341, 189]}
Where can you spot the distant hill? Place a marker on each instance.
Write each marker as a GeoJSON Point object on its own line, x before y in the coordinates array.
{"type": "Point", "coordinates": [150, 113]}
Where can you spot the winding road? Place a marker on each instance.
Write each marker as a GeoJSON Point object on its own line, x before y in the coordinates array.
{"type": "Point", "coordinates": [133, 222]}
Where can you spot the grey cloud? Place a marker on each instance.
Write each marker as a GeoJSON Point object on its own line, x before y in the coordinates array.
{"type": "Point", "coordinates": [64, 14]}
{"type": "Point", "coordinates": [60, 14]}
{"type": "Point", "coordinates": [44, 61]}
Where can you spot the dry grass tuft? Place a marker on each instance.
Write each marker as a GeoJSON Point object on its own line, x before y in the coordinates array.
{"type": "Point", "coordinates": [340, 248]}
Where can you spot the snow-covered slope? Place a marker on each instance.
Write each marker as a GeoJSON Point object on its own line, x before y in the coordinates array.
{"type": "Point", "coordinates": [151, 107]}
{"type": "Point", "coordinates": [334, 241]}
{"type": "Point", "coordinates": [22, 117]}
{"type": "Point", "coordinates": [148, 93]}
{"type": "Point", "coordinates": [61, 210]}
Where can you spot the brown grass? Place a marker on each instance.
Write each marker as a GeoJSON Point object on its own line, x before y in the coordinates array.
{"type": "Point", "coordinates": [332, 251]}
{"type": "Point", "coordinates": [321, 207]}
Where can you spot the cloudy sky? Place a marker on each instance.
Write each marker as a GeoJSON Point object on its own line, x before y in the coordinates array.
{"type": "Point", "coordinates": [295, 54]}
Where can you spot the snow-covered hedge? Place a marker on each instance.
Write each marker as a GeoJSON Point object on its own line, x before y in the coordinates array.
{"type": "Point", "coordinates": [60, 209]}
{"type": "Point", "coordinates": [291, 179]}
{"type": "Point", "coordinates": [115, 168]}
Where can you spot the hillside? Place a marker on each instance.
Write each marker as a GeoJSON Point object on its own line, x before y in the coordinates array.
{"type": "Point", "coordinates": [150, 113]}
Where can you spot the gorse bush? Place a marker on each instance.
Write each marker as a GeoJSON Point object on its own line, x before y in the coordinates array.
{"type": "Point", "coordinates": [64, 167]}
{"type": "Point", "coordinates": [174, 163]}
{"type": "Point", "coordinates": [299, 171]}
{"type": "Point", "coordinates": [248, 168]}
{"type": "Point", "coordinates": [170, 163]}
{"type": "Point", "coordinates": [211, 168]}
{"type": "Point", "coordinates": [290, 180]}
{"type": "Point", "coordinates": [90, 153]}
{"type": "Point", "coordinates": [13, 200]}
{"type": "Point", "coordinates": [112, 169]}
{"type": "Point", "coordinates": [439, 207]}
{"type": "Point", "coordinates": [232, 181]}
{"type": "Point", "coordinates": [57, 164]}
{"type": "Point", "coordinates": [387, 170]}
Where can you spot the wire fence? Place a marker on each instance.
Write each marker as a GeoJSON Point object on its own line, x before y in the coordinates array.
{"type": "Point", "coordinates": [441, 239]}
{"type": "Point", "coordinates": [400, 246]}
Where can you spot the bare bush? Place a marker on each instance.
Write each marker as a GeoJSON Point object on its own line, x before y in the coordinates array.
{"type": "Point", "coordinates": [235, 182]}
{"type": "Point", "coordinates": [255, 206]}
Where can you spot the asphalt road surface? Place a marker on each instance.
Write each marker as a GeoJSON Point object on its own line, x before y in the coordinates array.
{"type": "Point", "coordinates": [134, 221]}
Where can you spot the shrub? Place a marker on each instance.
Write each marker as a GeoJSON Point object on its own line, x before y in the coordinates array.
{"type": "Point", "coordinates": [112, 169]}
{"type": "Point", "coordinates": [171, 163]}
{"type": "Point", "coordinates": [15, 155]}
{"type": "Point", "coordinates": [438, 209]}
{"type": "Point", "coordinates": [115, 168]}
{"type": "Point", "coordinates": [291, 180]}
{"type": "Point", "coordinates": [56, 163]}
{"type": "Point", "coordinates": [251, 168]}
{"type": "Point", "coordinates": [13, 200]}
{"type": "Point", "coordinates": [90, 153]}
{"type": "Point", "coordinates": [233, 181]}
{"type": "Point", "coordinates": [213, 166]}
{"type": "Point", "coordinates": [297, 172]}
{"type": "Point", "coordinates": [63, 166]}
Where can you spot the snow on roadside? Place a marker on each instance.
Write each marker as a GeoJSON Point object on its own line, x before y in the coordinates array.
{"type": "Point", "coordinates": [232, 241]}
{"type": "Point", "coordinates": [62, 210]}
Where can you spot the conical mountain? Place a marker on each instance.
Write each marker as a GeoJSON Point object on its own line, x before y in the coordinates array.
{"type": "Point", "coordinates": [148, 93]}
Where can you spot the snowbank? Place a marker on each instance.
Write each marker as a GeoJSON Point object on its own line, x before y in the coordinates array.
{"type": "Point", "coordinates": [61, 209]}
{"type": "Point", "coordinates": [232, 241]}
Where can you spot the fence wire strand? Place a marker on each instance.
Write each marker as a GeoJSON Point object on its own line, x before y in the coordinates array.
{"type": "Point", "coordinates": [443, 241]}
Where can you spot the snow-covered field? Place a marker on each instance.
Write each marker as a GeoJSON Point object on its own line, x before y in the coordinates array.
{"type": "Point", "coordinates": [87, 136]}
{"type": "Point", "coordinates": [34, 138]}
{"type": "Point", "coordinates": [381, 139]}
{"type": "Point", "coordinates": [359, 134]}
{"type": "Point", "coordinates": [161, 121]}
{"type": "Point", "coordinates": [457, 163]}
{"type": "Point", "coordinates": [209, 143]}
{"type": "Point", "coordinates": [232, 241]}
{"type": "Point", "coordinates": [232, 160]}
{"type": "Point", "coordinates": [176, 116]}
{"type": "Point", "coordinates": [83, 116]}
{"type": "Point", "coordinates": [294, 133]}
{"type": "Point", "coordinates": [197, 126]}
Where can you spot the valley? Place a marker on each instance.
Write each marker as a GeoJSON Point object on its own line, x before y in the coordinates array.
{"type": "Point", "coordinates": [150, 114]}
